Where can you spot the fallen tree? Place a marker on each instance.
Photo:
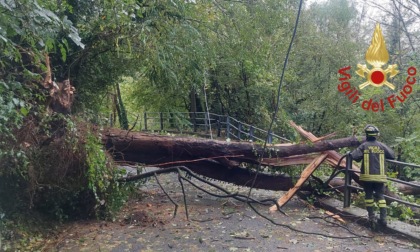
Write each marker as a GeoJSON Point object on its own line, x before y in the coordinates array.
{"type": "Point", "coordinates": [227, 161]}
{"type": "Point", "coordinates": [152, 149]}
{"type": "Point", "coordinates": [215, 159]}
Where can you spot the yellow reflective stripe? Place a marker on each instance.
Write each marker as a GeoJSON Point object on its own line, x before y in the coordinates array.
{"type": "Point", "coordinates": [381, 203]}
{"type": "Point", "coordinates": [373, 178]}
{"type": "Point", "coordinates": [381, 164]}
{"type": "Point", "coordinates": [366, 159]}
{"type": "Point", "coordinates": [369, 202]}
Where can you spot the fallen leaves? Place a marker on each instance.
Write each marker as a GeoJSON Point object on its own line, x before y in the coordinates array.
{"type": "Point", "coordinates": [242, 235]}
{"type": "Point", "coordinates": [294, 241]}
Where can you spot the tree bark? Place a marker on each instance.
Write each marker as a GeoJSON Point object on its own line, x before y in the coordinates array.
{"type": "Point", "coordinates": [409, 190]}
{"type": "Point", "coordinates": [223, 160]}
{"type": "Point", "coordinates": [154, 149]}
{"type": "Point", "coordinates": [215, 159]}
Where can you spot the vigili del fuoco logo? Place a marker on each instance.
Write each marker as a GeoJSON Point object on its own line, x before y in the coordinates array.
{"type": "Point", "coordinates": [377, 75]}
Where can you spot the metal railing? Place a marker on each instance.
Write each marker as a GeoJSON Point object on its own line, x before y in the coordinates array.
{"type": "Point", "coordinates": [348, 187]}
{"type": "Point", "coordinates": [209, 124]}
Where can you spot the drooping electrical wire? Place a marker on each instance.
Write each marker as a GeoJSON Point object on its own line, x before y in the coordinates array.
{"type": "Point", "coordinates": [265, 147]}
{"type": "Point", "coordinates": [278, 97]}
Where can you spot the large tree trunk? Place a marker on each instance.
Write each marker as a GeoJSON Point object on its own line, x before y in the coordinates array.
{"type": "Point", "coordinates": [409, 190]}
{"type": "Point", "coordinates": [157, 149]}
{"type": "Point", "coordinates": [219, 160]}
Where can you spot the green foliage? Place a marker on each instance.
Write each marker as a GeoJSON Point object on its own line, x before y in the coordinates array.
{"type": "Point", "coordinates": [166, 55]}
{"type": "Point", "coordinates": [410, 153]}
{"type": "Point", "coordinates": [13, 109]}
{"type": "Point", "coordinates": [398, 210]}
{"type": "Point", "coordinates": [401, 211]}
{"type": "Point", "coordinates": [324, 45]}
{"type": "Point", "coordinates": [102, 176]}
{"type": "Point", "coordinates": [359, 200]}
{"type": "Point", "coordinates": [27, 30]}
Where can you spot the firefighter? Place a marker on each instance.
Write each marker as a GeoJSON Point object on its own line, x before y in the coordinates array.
{"type": "Point", "coordinates": [373, 153]}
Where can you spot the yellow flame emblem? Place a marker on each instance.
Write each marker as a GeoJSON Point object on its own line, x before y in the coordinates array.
{"type": "Point", "coordinates": [377, 56]}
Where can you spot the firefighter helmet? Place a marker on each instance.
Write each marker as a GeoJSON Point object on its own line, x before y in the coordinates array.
{"type": "Point", "coordinates": [371, 131]}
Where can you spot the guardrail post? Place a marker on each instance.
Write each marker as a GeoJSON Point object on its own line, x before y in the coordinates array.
{"type": "Point", "coordinates": [239, 131]}
{"type": "Point", "coordinates": [161, 121]}
{"type": "Point", "coordinates": [219, 127]}
{"type": "Point", "coordinates": [347, 181]}
{"type": "Point", "coordinates": [206, 122]}
{"type": "Point", "coordinates": [227, 127]}
{"type": "Point", "coordinates": [145, 121]}
{"type": "Point", "coordinates": [194, 117]}
{"type": "Point", "coordinates": [251, 133]}
{"type": "Point", "coordinates": [270, 137]}
{"type": "Point", "coordinates": [172, 122]}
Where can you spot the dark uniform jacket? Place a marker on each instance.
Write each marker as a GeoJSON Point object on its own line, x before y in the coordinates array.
{"type": "Point", "coordinates": [373, 154]}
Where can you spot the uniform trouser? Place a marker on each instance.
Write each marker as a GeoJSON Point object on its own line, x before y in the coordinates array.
{"type": "Point", "coordinates": [379, 188]}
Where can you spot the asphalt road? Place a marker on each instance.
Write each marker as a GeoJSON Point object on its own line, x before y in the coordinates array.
{"type": "Point", "coordinates": [220, 224]}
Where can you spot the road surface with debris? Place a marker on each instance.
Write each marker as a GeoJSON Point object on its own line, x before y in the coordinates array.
{"type": "Point", "coordinates": [221, 224]}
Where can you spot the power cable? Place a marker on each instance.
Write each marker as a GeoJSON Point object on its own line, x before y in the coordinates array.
{"type": "Point", "coordinates": [278, 97]}
{"type": "Point", "coordinates": [265, 146]}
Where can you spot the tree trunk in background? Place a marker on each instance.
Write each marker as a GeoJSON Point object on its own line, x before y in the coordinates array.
{"type": "Point", "coordinates": [193, 101]}
{"type": "Point", "coordinates": [122, 113]}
